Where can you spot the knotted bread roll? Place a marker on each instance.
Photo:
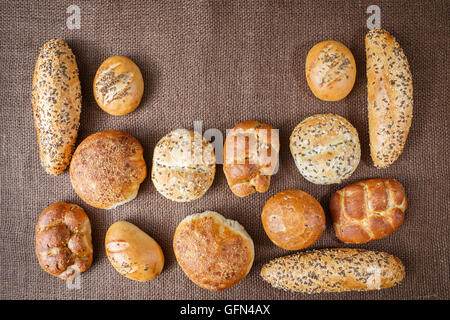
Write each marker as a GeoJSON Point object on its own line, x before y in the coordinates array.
{"type": "Point", "coordinates": [368, 210]}
{"type": "Point", "coordinates": [63, 240]}
{"type": "Point", "coordinates": [250, 157]}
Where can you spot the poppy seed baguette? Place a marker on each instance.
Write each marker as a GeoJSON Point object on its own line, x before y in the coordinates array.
{"type": "Point", "coordinates": [334, 270]}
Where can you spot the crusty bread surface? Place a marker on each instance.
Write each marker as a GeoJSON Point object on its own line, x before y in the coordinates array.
{"type": "Point", "coordinates": [368, 210]}
{"type": "Point", "coordinates": [63, 240]}
{"type": "Point", "coordinates": [107, 169]}
{"type": "Point", "coordinates": [390, 97]}
{"type": "Point", "coordinates": [334, 270]}
{"type": "Point", "coordinates": [56, 100]}
{"type": "Point", "coordinates": [214, 252]}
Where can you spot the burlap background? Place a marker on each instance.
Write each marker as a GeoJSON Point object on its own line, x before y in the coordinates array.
{"type": "Point", "coordinates": [222, 63]}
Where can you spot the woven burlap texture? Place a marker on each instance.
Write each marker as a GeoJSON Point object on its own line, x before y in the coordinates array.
{"type": "Point", "coordinates": [221, 63]}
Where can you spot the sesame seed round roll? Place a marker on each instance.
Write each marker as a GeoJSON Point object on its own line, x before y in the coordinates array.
{"type": "Point", "coordinates": [334, 270]}
{"type": "Point", "coordinates": [325, 148]}
{"type": "Point", "coordinates": [56, 99]}
{"type": "Point", "coordinates": [184, 165]}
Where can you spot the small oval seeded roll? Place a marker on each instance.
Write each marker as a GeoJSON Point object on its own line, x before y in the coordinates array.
{"type": "Point", "coordinates": [325, 148]}
{"type": "Point", "coordinates": [56, 99]}
{"type": "Point", "coordinates": [183, 165]}
{"type": "Point", "coordinates": [330, 70]}
{"type": "Point", "coordinates": [214, 252]}
{"type": "Point", "coordinates": [63, 240]}
{"type": "Point", "coordinates": [118, 86]}
{"type": "Point", "coordinates": [389, 97]}
{"type": "Point", "coordinates": [293, 219]}
{"type": "Point", "coordinates": [107, 169]}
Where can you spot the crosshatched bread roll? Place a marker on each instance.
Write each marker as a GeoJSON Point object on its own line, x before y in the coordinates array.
{"type": "Point", "coordinates": [390, 97]}
{"type": "Point", "coordinates": [183, 165]}
{"type": "Point", "coordinates": [118, 86]}
{"type": "Point", "coordinates": [250, 157]}
{"type": "Point", "coordinates": [107, 169]}
{"type": "Point", "coordinates": [325, 148]}
{"type": "Point", "coordinates": [214, 252]}
{"type": "Point", "coordinates": [368, 210]}
{"type": "Point", "coordinates": [132, 252]}
{"type": "Point", "coordinates": [334, 270]}
{"type": "Point", "coordinates": [56, 99]}
{"type": "Point", "coordinates": [293, 219]}
{"type": "Point", "coordinates": [330, 70]}
{"type": "Point", "coordinates": [63, 240]}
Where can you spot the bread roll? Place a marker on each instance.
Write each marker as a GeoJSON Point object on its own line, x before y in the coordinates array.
{"type": "Point", "coordinates": [325, 148]}
{"type": "Point", "coordinates": [334, 270]}
{"type": "Point", "coordinates": [183, 165]}
{"type": "Point", "coordinates": [63, 240]}
{"type": "Point", "coordinates": [330, 70]}
{"type": "Point", "coordinates": [368, 210]}
{"type": "Point", "coordinates": [214, 252]}
{"type": "Point", "coordinates": [250, 157]}
{"type": "Point", "coordinates": [390, 97]}
{"type": "Point", "coordinates": [118, 86]}
{"type": "Point", "coordinates": [132, 252]}
{"type": "Point", "coordinates": [293, 219]}
{"type": "Point", "coordinates": [107, 169]}
{"type": "Point", "coordinates": [56, 99]}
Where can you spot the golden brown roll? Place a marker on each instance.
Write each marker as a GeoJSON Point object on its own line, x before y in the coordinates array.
{"type": "Point", "coordinates": [330, 70]}
{"type": "Point", "coordinates": [56, 99]}
{"type": "Point", "coordinates": [214, 252]}
{"type": "Point", "coordinates": [293, 219]}
{"type": "Point", "coordinates": [107, 169]}
{"type": "Point", "coordinates": [132, 252]}
{"type": "Point", "coordinates": [63, 240]}
{"type": "Point", "coordinates": [183, 165]}
{"type": "Point", "coordinates": [334, 270]}
{"type": "Point", "coordinates": [325, 148]}
{"type": "Point", "coordinates": [250, 157]}
{"type": "Point", "coordinates": [368, 210]}
{"type": "Point", "coordinates": [390, 97]}
{"type": "Point", "coordinates": [118, 86]}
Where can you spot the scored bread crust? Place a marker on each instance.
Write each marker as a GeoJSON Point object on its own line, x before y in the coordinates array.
{"type": "Point", "coordinates": [334, 270]}
{"type": "Point", "coordinates": [250, 157]}
{"type": "Point", "coordinates": [368, 210]}
{"type": "Point", "coordinates": [107, 169]}
{"type": "Point", "coordinates": [56, 100]}
{"type": "Point", "coordinates": [325, 148]}
{"type": "Point", "coordinates": [63, 240]}
{"type": "Point", "coordinates": [214, 252]}
{"type": "Point", "coordinates": [293, 219]}
{"type": "Point", "coordinates": [330, 70]}
{"type": "Point", "coordinates": [118, 86]}
{"type": "Point", "coordinates": [132, 252]}
{"type": "Point", "coordinates": [390, 97]}
{"type": "Point", "coordinates": [184, 165]}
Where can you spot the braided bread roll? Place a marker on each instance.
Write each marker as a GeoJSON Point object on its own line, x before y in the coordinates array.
{"type": "Point", "coordinates": [63, 240]}
{"type": "Point", "coordinates": [368, 210]}
{"type": "Point", "coordinates": [250, 157]}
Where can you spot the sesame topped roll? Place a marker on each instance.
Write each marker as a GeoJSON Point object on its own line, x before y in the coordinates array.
{"type": "Point", "coordinates": [184, 165]}
{"type": "Point", "coordinates": [56, 99]}
{"type": "Point", "coordinates": [325, 148]}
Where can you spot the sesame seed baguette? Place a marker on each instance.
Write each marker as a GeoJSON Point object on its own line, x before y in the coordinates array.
{"type": "Point", "coordinates": [390, 97]}
{"type": "Point", "coordinates": [56, 99]}
{"type": "Point", "coordinates": [334, 270]}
